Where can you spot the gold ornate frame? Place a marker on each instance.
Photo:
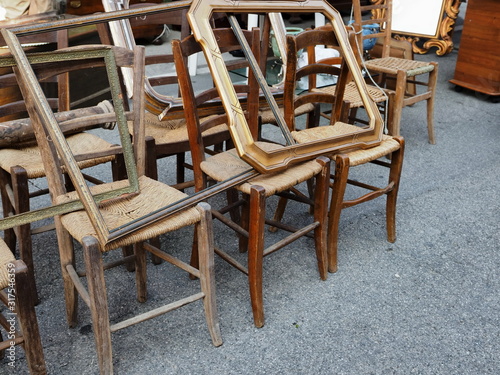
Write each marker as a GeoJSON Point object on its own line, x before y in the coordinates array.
{"type": "Point", "coordinates": [265, 162]}
{"type": "Point", "coordinates": [442, 39]}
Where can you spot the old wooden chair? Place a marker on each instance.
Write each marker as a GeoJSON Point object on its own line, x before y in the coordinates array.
{"type": "Point", "coordinates": [15, 294]}
{"type": "Point", "coordinates": [404, 71]}
{"type": "Point", "coordinates": [383, 98]}
{"type": "Point", "coordinates": [390, 146]}
{"type": "Point", "coordinates": [125, 213]}
{"type": "Point", "coordinates": [226, 165]}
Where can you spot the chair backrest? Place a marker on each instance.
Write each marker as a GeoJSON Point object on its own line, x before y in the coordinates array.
{"type": "Point", "coordinates": [56, 154]}
{"type": "Point", "coordinates": [332, 67]}
{"type": "Point", "coordinates": [196, 103]}
{"type": "Point", "coordinates": [380, 12]}
{"type": "Point", "coordinates": [11, 104]}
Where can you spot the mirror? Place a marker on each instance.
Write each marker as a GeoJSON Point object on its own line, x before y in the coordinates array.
{"type": "Point", "coordinates": [431, 20]}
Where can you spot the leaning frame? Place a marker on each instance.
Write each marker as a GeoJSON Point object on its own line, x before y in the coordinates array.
{"type": "Point", "coordinates": [38, 106]}
{"type": "Point", "coordinates": [265, 162]}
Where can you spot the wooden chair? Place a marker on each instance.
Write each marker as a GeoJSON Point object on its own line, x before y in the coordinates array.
{"type": "Point", "coordinates": [20, 308]}
{"type": "Point", "coordinates": [20, 160]}
{"type": "Point", "coordinates": [383, 98]}
{"type": "Point", "coordinates": [140, 200]}
{"type": "Point", "coordinates": [390, 146]}
{"type": "Point", "coordinates": [404, 71]}
{"type": "Point", "coordinates": [226, 165]}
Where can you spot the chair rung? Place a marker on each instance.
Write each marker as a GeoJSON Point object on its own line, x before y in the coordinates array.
{"type": "Point", "coordinates": [44, 228]}
{"type": "Point", "coordinates": [229, 259]}
{"type": "Point", "coordinates": [231, 224]}
{"type": "Point", "coordinates": [113, 264]}
{"type": "Point", "coordinates": [369, 196]}
{"type": "Point", "coordinates": [417, 98]}
{"type": "Point", "coordinates": [172, 260]}
{"type": "Point", "coordinates": [80, 288]}
{"type": "Point", "coordinates": [156, 312]}
{"type": "Point", "coordinates": [285, 241]}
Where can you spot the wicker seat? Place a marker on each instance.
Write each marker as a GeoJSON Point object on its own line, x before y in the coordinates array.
{"type": "Point", "coordinates": [389, 147]}
{"type": "Point", "coordinates": [404, 71]}
{"type": "Point", "coordinates": [94, 226]}
{"type": "Point", "coordinates": [14, 278]}
{"type": "Point", "coordinates": [225, 165]}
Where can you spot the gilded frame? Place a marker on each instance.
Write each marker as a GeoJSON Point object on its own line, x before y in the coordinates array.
{"type": "Point", "coordinates": [266, 162]}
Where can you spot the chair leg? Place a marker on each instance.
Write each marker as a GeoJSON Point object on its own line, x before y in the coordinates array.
{"type": "Point", "coordinates": [232, 198]}
{"type": "Point", "coordinates": [389, 115]}
{"type": "Point", "coordinates": [430, 104]}
{"type": "Point", "coordinates": [320, 216]}
{"type": "Point", "coordinates": [119, 173]}
{"type": "Point", "coordinates": [181, 159]}
{"type": "Point", "coordinates": [98, 304]}
{"type": "Point", "coordinates": [394, 176]}
{"type": "Point", "coordinates": [244, 223]}
{"type": "Point", "coordinates": [207, 274]}
{"type": "Point", "coordinates": [23, 232]}
{"type": "Point", "coordinates": [8, 208]}
{"type": "Point", "coordinates": [280, 211]}
{"type": "Point", "coordinates": [336, 203]}
{"type": "Point", "coordinates": [398, 101]}
{"type": "Point", "coordinates": [256, 252]}
{"type": "Point", "coordinates": [140, 272]}
{"type": "Point", "coordinates": [29, 324]}
{"type": "Point", "coordinates": [152, 171]}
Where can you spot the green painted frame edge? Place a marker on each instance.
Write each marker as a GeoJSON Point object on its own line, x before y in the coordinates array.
{"type": "Point", "coordinates": [87, 200]}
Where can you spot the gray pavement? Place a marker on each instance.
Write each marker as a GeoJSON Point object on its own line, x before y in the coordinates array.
{"type": "Point", "coordinates": [427, 304]}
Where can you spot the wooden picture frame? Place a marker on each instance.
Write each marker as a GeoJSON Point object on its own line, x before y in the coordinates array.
{"type": "Point", "coordinates": [41, 113]}
{"type": "Point", "coordinates": [266, 162]}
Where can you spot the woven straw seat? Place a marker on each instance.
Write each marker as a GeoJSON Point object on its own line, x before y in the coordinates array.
{"type": "Point", "coordinates": [357, 157]}
{"type": "Point", "coordinates": [153, 195]}
{"type": "Point", "coordinates": [228, 164]}
{"type": "Point", "coordinates": [29, 158]}
{"type": "Point", "coordinates": [267, 116]}
{"type": "Point", "coordinates": [174, 131]}
{"type": "Point", "coordinates": [351, 94]}
{"type": "Point", "coordinates": [391, 65]}
{"type": "Point", "coordinates": [6, 257]}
